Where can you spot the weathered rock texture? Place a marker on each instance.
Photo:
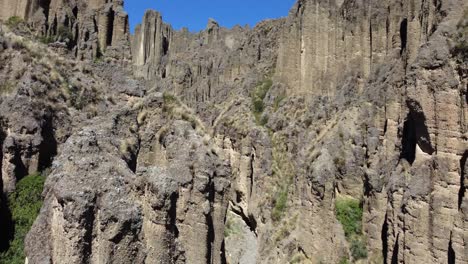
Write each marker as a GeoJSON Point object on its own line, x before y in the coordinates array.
{"type": "Point", "coordinates": [375, 75]}
{"type": "Point", "coordinates": [233, 145]}
{"type": "Point", "coordinates": [91, 26]}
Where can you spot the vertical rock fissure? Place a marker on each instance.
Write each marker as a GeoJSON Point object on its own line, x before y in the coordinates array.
{"type": "Point", "coordinates": [251, 172]}
{"type": "Point", "coordinates": [450, 252]}
{"type": "Point", "coordinates": [133, 162]}
{"type": "Point", "coordinates": [172, 226]}
{"type": "Point", "coordinates": [2, 137]}
{"type": "Point", "coordinates": [384, 237]}
{"type": "Point", "coordinates": [45, 5]}
{"type": "Point", "coordinates": [90, 219]}
{"type": "Point", "coordinates": [20, 170]}
{"type": "Point", "coordinates": [210, 239]}
{"type": "Point", "coordinates": [110, 27]}
{"type": "Point", "coordinates": [395, 251]}
{"type": "Point", "coordinates": [48, 146]}
{"type": "Point", "coordinates": [223, 252]}
{"type": "Point", "coordinates": [403, 35]}
{"type": "Point", "coordinates": [5, 215]}
{"type": "Point", "coordinates": [461, 193]}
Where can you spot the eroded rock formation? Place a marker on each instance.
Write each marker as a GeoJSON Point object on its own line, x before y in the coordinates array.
{"type": "Point", "coordinates": [91, 26]}
{"type": "Point", "coordinates": [234, 145]}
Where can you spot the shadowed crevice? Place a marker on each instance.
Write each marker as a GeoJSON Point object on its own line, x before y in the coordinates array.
{"type": "Point", "coordinates": [384, 237]}
{"type": "Point", "coordinates": [395, 251]}
{"type": "Point", "coordinates": [415, 133]}
{"type": "Point", "coordinates": [210, 239]}
{"type": "Point", "coordinates": [110, 27]}
{"type": "Point", "coordinates": [450, 252]}
{"type": "Point", "coordinates": [461, 193]}
{"type": "Point", "coordinates": [48, 147]}
{"type": "Point", "coordinates": [403, 35]}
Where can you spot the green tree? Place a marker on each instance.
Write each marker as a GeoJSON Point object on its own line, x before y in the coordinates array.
{"type": "Point", "coordinates": [24, 203]}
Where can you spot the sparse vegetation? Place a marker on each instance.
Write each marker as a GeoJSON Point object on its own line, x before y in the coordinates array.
{"type": "Point", "coordinates": [25, 203]}
{"type": "Point", "coordinates": [278, 101]}
{"type": "Point", "coordinates": [46, 39]}
{"type": "Point", "coordinates": [6, 87]}
{"type": "Point", "coordinates": [14, 21]}
{"type": "Point", "coordinates": [169, 98]}
{"type": "Point", "coordinates": [460, 38]}
{"type": "Point", "coordinates": [297, 258]}
{"type": "Point", "coordinates": [79, 97]}
{"type": "Point", "coordinates": [284, 172]}
{"type": "Point", "coordinates": [349, 213]}
{"type": "Point", "coordinates": [344, 260]}
{"type": "Point", "coordinates": [231, 227]}
{"type": "Point", "coordinates": [258, 95]}
{"type": "Point", "coordinates": [64, 33]}
{"type": "Point", "coordinates": [358, 248]}
{"type": "Point", "coordinates": [280, 202]}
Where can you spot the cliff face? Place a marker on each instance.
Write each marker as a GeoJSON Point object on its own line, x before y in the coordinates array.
{"type": "Point", "coordinates": [92, 26]}
{"type": "Point", "coordinates": [325, 39]}
{"type": "Point", "coordinates": [206, 67]}
{"type": "Point", "coordinates": [240, 145]}
{"type": "Point", "coordinates": [376, 73]}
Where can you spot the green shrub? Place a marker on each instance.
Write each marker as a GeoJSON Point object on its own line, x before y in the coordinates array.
{"type": "Point", "coordinates": [344, 260]}
{"type": "Point", "coordinates": [258, 95]}
{"type": "Point", "coordinates": [349, 213]}
{"type": "Point", "coordinates": [24, 203]}
{"type": "Point", "coordinates": [14, 21]}
{"type": "Point", "coordinates": [358, 248]}
{"type": "Point", "coordinates": [280, 202]}
{"type": "Point", "coordinates": [169, 98]}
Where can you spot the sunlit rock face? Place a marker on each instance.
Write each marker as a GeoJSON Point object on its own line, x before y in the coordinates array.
{"type": "Point", "coordinates": [235, 145]}
{"type": "Point", "coordinates": [92, 26]}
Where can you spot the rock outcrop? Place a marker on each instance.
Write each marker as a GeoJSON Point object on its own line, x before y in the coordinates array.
{"type": "Point", "coordinates": [157, 195]}
{"type": "Point", "coordinates": [91, 27]}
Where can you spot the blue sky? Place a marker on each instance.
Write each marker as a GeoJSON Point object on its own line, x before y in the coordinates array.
{"type": "Point", "coordinates": [194, 14]}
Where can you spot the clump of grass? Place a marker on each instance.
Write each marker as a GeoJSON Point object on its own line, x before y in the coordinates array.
{"type": "Point", "coordinates": [358, 248]}
{"type": "Point", "coordinates": [257, 96]}
{"type": "Point", "coordinates": [25, 203]}
{"type": "Point", "coordinates": [278, 101]}
{"type": "Point", "coordinates": [349, 214]}
{"type": "Point", "coordinates": [280, 202]}
{"type": "Point", "coordinates": [344, 260]}
{"type": "Point", "coordinates": [46, 39]}
{"type": "Point", "coordinates": [14, 21]}
{"type": "Point", "coordinates": [231, 227]}
{"type": "Point", "coordinates": [169, 98]}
